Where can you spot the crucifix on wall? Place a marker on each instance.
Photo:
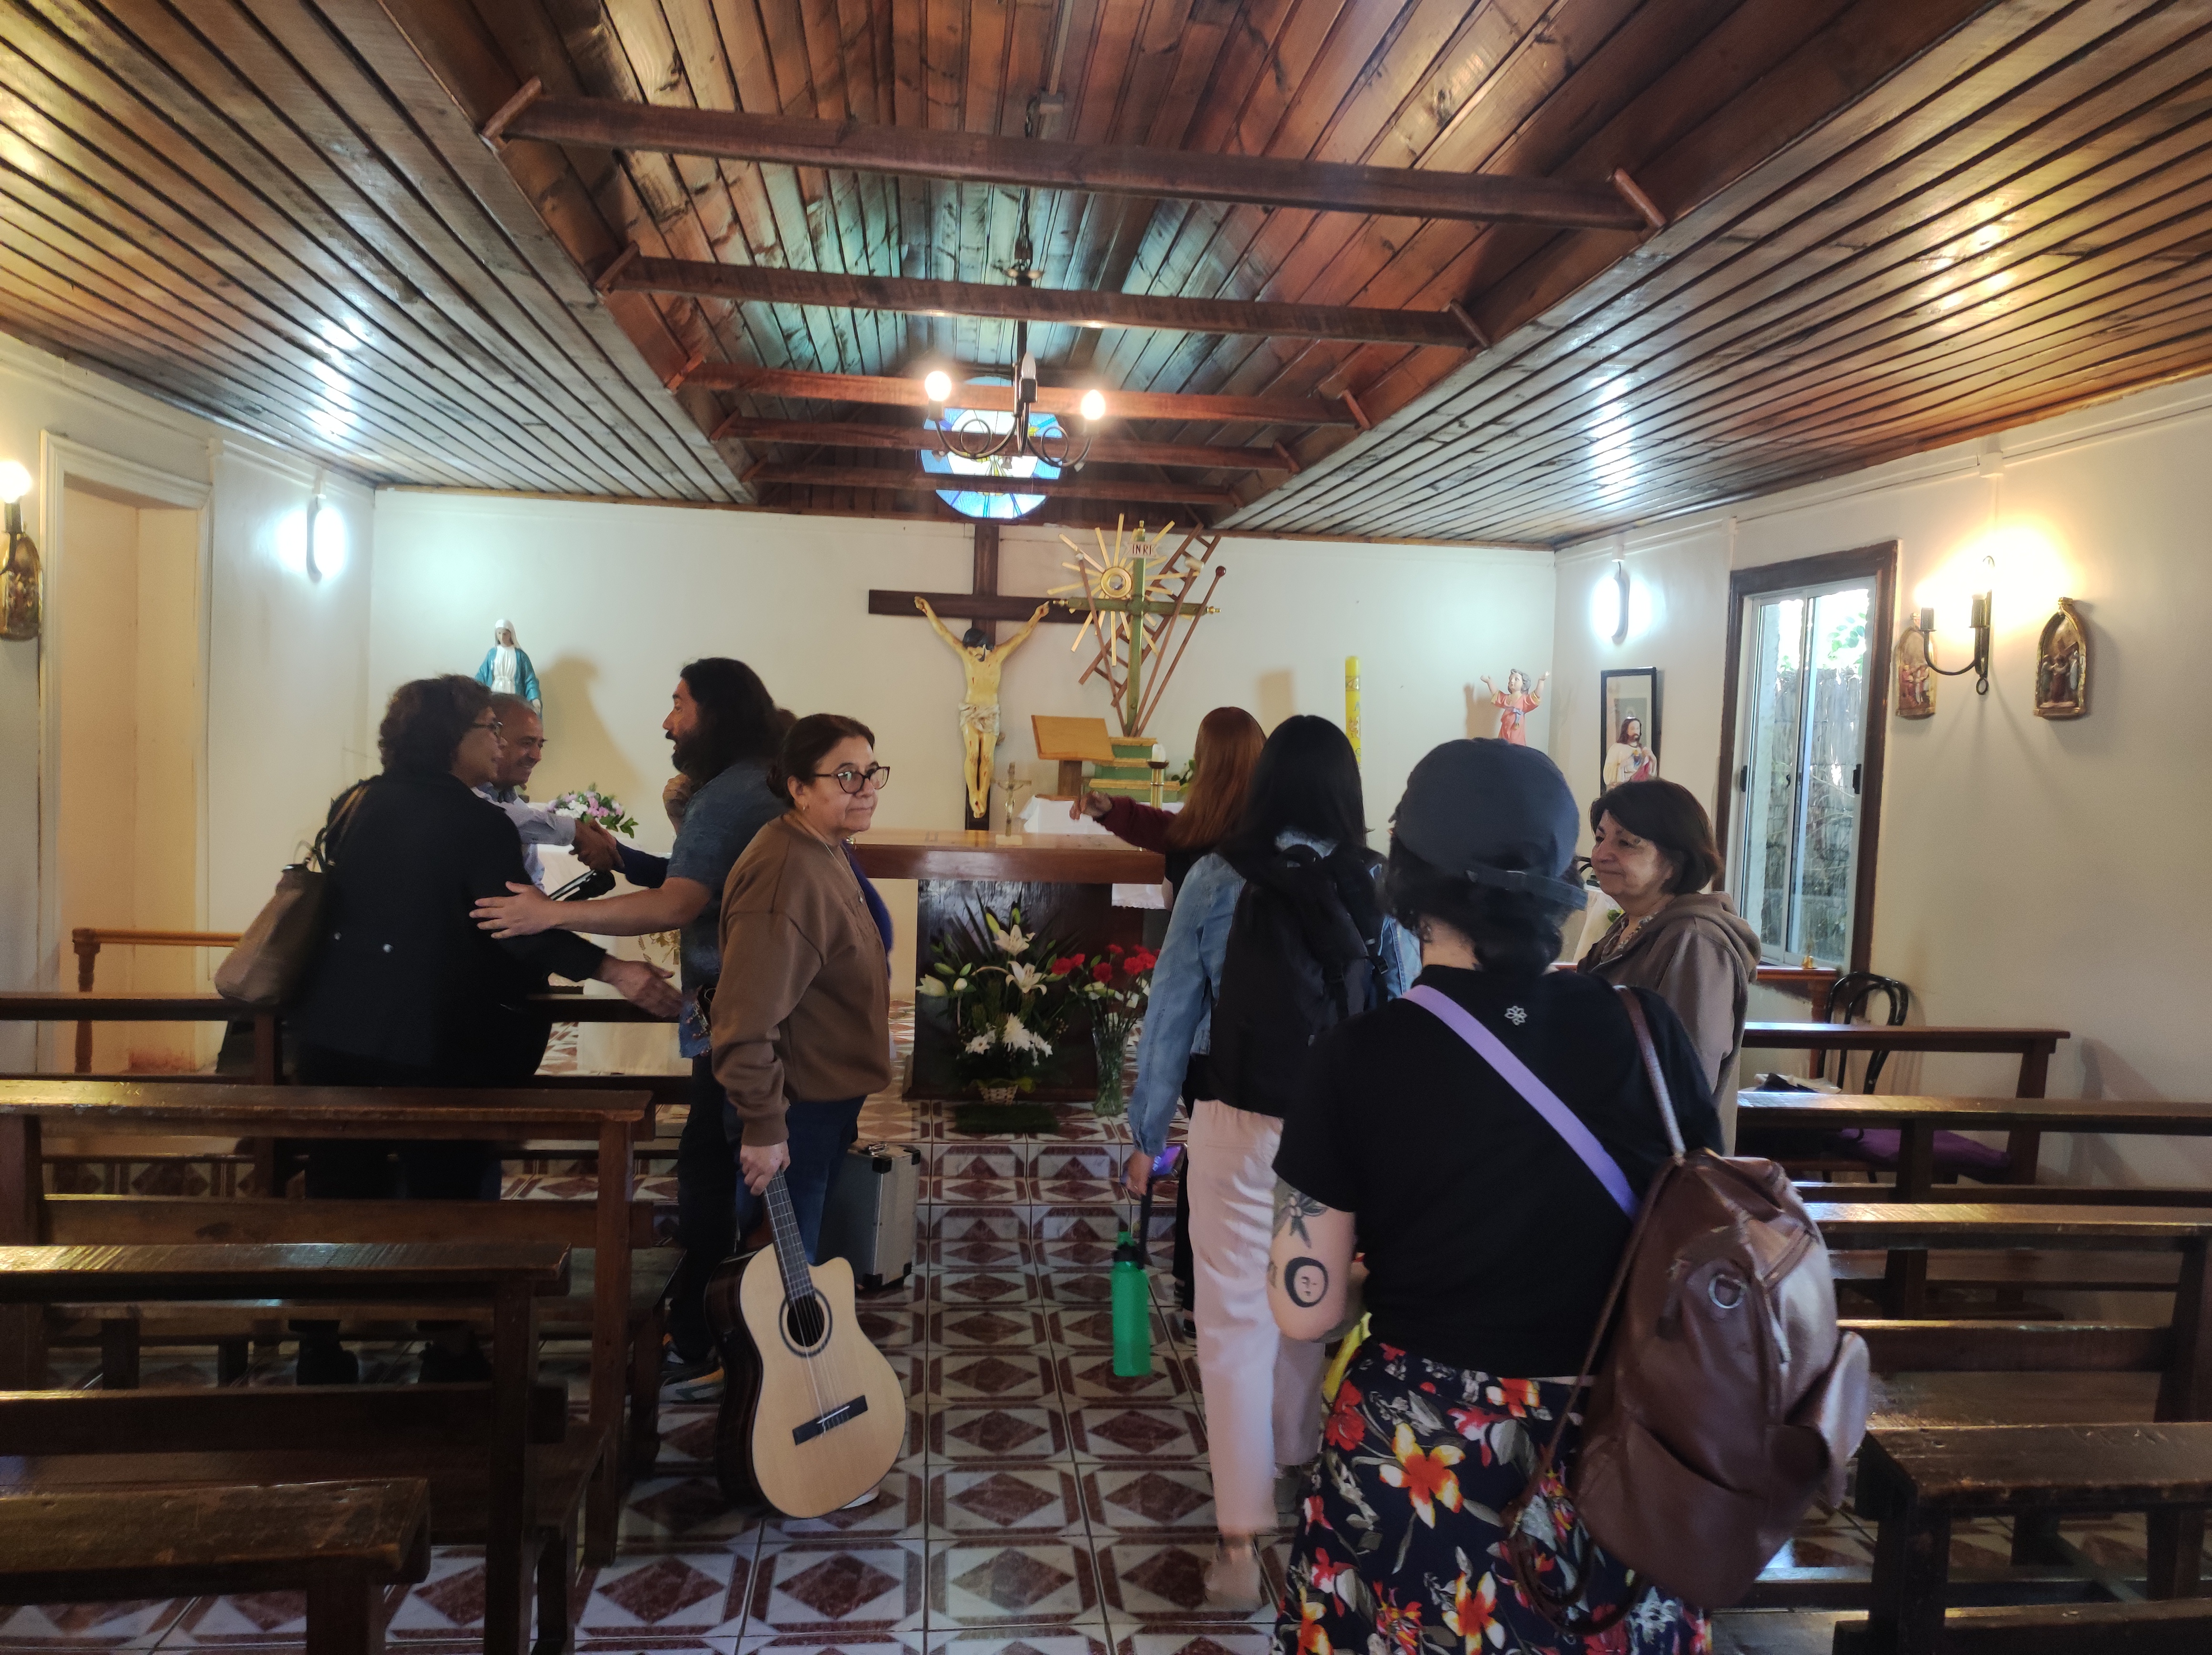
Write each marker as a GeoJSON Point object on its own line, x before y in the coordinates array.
{"type": "Point", "coordinates": [983, 606]}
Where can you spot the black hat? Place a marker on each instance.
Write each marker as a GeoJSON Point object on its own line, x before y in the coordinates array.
{"type": "Point", "coordinates": [1496, 813]}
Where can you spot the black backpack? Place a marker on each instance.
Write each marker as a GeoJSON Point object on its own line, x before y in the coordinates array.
{"type": "Point", "coordinates": [1298, 962]}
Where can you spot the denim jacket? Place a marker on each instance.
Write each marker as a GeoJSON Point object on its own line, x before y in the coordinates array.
{"type": "Point", "coordinates": [1179, 1017]}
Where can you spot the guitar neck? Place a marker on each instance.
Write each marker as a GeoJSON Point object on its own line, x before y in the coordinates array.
{"type": "Point", "coordinates": [790, 1250]}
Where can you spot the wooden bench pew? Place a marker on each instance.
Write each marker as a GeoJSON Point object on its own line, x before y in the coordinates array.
{"type": "Point", "coordinates": [341, 1543]}
{"type": "Point", "coordinates": [344, 1432]}
{"type": "Point", "coordinates": [1915, 1483]}
{"type": "Point", "coordinates": [121, 1331]}
{"type": "Point", "coordinates": [2033, 1046]}
{"type": "Point", "coordinates": [2025, 1120]}
{"type": "Point", "coordinates": [611, 1120]}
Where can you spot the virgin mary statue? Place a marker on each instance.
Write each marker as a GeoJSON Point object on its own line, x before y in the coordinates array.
{"type": "Point", "coordinates": [506, 670]}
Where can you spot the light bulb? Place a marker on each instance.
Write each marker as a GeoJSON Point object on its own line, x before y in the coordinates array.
{"type": "Point", "coordinates": [1093, 405]}
{"type": "Point", "coordinates": [938, 385]}
{"type": "Point", "coordinates": [15, 481]}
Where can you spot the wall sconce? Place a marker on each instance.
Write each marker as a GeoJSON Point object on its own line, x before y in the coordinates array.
{"type": "Point", "coordinates": [1979, 619]}
{"type": "Point", "coordinates": [19, 576]}
{"type": "Point", "coordinates": [1620, 619]}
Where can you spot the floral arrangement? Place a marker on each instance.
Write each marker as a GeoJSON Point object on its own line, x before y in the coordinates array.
{"type": "Point", "coordinates": [600, 809]}
{"type": "Point", "coordinates": [1116, 986]}
{"type": "Point", "coordinates": [1007, 1009]}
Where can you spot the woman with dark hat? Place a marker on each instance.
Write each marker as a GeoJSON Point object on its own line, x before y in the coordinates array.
{"type": "Point", "coordinates": [1489, 1240]}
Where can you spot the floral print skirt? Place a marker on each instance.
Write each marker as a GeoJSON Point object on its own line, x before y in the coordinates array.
{"type": "Point", "coordinates": [1400, 1547]}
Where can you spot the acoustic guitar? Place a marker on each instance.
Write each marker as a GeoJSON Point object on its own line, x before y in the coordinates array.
{"type": "Point", "coordinates": [812, 1415]}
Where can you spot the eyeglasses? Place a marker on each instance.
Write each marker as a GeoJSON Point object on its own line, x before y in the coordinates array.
{"type": "Point", "coordinates": [492, 724]}
{"type": "Point", "coordinates": [854, 781]}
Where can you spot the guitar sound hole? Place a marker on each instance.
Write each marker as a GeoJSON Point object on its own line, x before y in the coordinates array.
{"type": "Point", "coordinates": [805, 1321]}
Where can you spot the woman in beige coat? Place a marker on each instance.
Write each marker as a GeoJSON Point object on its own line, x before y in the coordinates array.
{"type": "Point", "coordinates": [1654, 854]}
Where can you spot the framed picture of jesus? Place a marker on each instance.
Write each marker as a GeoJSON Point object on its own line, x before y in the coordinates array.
{"type": "Point", "coordinates": [1628, 745]}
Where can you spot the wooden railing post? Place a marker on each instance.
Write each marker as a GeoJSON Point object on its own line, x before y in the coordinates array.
{"type": "Point", "coordinates": [86, 942]}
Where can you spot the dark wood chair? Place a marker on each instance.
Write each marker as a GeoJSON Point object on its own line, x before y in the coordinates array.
{"type": "Point", "coordinates": [341, 1543]}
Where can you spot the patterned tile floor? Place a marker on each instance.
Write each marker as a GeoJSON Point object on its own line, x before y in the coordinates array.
{"type": "Point", "coordinates": [1042, 1506]}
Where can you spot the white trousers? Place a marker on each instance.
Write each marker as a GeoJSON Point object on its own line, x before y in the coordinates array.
{"type": "Point", "coordinates": [1262, 1391]}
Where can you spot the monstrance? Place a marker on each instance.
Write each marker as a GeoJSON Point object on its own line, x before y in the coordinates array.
{"type": "Point", "coordinates": [1135, 599]}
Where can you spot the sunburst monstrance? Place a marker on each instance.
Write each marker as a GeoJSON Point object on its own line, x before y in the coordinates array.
{"type": "Point", "coordinates": [1136, 597]}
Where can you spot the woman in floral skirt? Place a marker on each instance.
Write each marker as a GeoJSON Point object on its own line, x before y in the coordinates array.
{"type": "Point", "coordinates": [1488, 1244]}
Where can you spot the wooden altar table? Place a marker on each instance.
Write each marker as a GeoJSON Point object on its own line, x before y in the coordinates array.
{"type": "Point", "coordinates": [1064, 883]}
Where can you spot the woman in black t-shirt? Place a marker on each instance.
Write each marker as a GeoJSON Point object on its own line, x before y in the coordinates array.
{"type": "Point", "coordinates": [1489, 1241]}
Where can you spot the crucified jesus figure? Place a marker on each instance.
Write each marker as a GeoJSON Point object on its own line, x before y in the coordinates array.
{"type": "Point", "coordinates": [979, 702]}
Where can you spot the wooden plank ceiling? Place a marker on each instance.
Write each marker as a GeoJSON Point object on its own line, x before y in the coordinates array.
{"type": "Point", "coordinates": [269, 213]}
{"type": "Point", "coordinates": [1883, 225]}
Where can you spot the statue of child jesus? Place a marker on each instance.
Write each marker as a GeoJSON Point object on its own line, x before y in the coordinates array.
{"type": "Point", "coordinates": [1514, 703]}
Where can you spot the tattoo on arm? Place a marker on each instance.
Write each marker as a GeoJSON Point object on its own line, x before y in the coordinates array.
{"type": "Point", "coordinates": [1306, 1281]}
{"type": "Point", "coordinates": [1293, 1208]}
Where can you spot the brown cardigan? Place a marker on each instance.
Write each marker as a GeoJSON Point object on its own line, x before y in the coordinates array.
{"type": "Point", "coordinates": [803, 1010]}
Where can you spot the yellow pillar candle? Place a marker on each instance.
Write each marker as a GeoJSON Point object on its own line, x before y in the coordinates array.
{"type": "Point", "coordinates": [1351, 702]}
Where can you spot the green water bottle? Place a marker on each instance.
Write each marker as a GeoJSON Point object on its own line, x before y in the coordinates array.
{"type": "Point", "coordinates": [1133, 1312]}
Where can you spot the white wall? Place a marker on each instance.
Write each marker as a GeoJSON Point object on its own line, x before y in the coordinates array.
{"type": "Point", "coordinates": [610, 601]}
{"type": "Point", "coordinates": [279, 667]}
{"type": "Point", "coordinates": [2030, 872]}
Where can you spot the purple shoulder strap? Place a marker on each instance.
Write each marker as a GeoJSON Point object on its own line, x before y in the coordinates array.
{"type": "Point", "coordinates": [1518, 1076]}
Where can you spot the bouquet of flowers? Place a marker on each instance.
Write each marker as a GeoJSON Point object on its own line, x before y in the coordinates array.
{"type": "Point", "coordinates": [1116, 986]}
{"type": "Point", "coordinates": [1007, 1009]}
{"type": "Point", "coordinates": [600, 809]}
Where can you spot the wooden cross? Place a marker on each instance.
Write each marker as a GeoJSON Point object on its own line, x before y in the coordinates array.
{"type": "Point", "coordinates": [984, 605]}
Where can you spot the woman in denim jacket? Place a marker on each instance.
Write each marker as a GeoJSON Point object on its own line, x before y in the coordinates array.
{"type": "Point", "coordinates": [1262, 1391]}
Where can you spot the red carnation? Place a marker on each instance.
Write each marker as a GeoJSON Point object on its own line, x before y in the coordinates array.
{"type": "Point", "coordinates": [1103, 971]}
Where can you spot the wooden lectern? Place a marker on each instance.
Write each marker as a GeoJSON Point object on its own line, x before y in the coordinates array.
{"type": "Point", "coordinates": [1071, 741]}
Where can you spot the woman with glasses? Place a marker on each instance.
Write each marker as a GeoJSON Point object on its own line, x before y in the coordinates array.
{"type": "Point", "coordinates": [801, 1019]}
{"type": "Point", "coordinates": [404, 990]}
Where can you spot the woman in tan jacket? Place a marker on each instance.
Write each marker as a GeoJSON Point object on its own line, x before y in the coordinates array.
{"type": "Point", "coordinates": [1654, 854]}
{"type": "Point", "coordinates": [801, 1019]}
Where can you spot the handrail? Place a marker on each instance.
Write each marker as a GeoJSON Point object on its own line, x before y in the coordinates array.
{"type": "Point", "coordinates": [87, 942]}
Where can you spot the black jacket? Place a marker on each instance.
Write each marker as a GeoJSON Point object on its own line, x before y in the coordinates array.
{"type": "Point", "coordinates": [404, 973]}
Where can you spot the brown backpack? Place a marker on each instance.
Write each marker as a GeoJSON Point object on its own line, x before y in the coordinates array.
{"type": "Point", "coordinates": [1729, 1399]}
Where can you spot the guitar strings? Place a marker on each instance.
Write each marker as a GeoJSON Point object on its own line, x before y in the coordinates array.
{"type": "Point", "coordinates": [789, 1242]}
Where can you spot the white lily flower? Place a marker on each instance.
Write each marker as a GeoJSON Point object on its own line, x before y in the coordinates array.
{"type": "Point", "coordinates": [930, 986]}
{"type": "Point", "coordinates": [1013, 941]}
{"type": "Point", "coordinates": [1027, 978]}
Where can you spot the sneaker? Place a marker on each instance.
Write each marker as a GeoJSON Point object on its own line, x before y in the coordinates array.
{"type": "Point", "coordinates": [1233, 1580]}
{"type": "Point", "coordinates": [325, 1361]}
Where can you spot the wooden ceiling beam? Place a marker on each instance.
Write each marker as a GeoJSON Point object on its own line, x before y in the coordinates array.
{"type": "Point", "coordinates": [888, 392]}
{"type": "Point", "coordinates": [918, 482]}
{"type": "Point", "coordinates": [1048, 164]}
{"type": "Point", "coordinates": [767, 284]}
{"type": "Point", "coordinates": [831, 433]}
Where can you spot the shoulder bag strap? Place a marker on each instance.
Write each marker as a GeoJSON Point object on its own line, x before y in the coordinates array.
{"type": "Point", "coordinates": [329, 841]}
{"type": "Point", "coordinates": [1526, 1564]}
{"type": "Point", "coordinates": [1643, 1027]}
{"type": "Point", "coordinates": [1541, 1097]}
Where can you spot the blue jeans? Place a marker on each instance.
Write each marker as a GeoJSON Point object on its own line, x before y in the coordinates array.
{"type": "Point", "coordinates": [820, 1134]}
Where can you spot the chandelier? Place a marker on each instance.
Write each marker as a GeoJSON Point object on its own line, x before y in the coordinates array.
{"type": "Point", "coordinates": [975, 438]}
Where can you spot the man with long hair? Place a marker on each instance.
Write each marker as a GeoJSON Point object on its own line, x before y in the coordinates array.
{"type": "Point", "coordinates": [725, 727]}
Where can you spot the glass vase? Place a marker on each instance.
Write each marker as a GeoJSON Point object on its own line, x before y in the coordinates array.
{"type": "Point", "coordinates": [1110, 1041]}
